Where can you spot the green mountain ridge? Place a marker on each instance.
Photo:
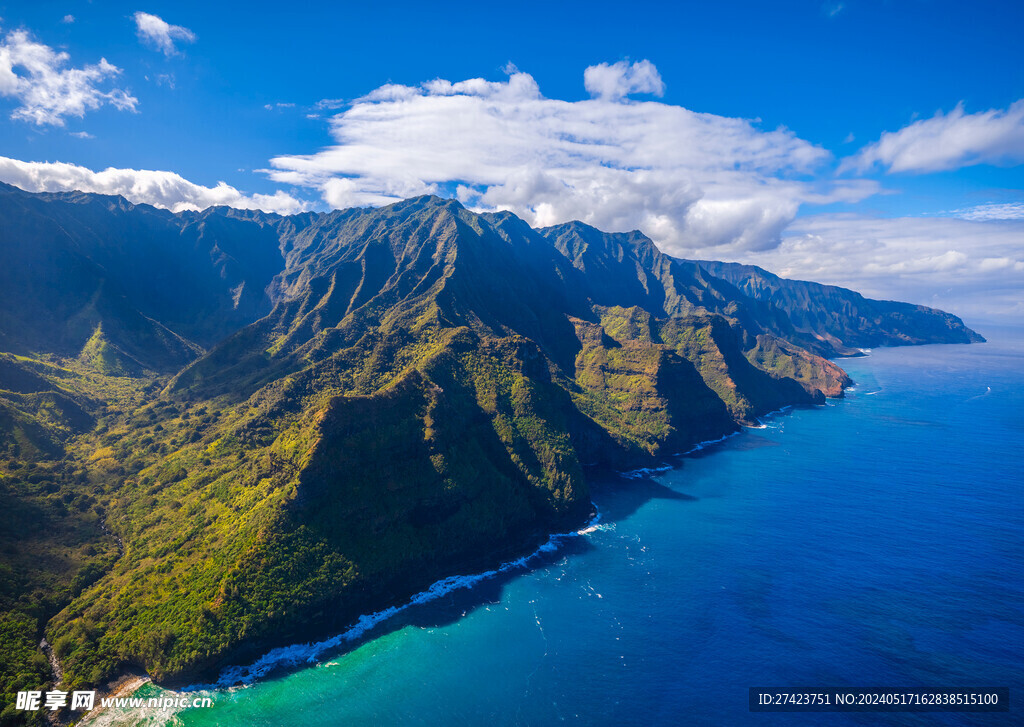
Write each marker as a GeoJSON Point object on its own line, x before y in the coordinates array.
{"type": "Point", "coordinates": [832, 314]}
{"type": "Point", "coordinates": [290, 421]}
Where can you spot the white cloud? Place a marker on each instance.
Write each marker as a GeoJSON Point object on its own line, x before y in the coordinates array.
{"type": "Point", "coordinates": [38, 77]}
{"type": "Point", "coordinates": [692, 181]}
{"type": "Point", "coordinates": [68, 19]}
{"type": "Point", "coordinates": [1005, 211]}
{"type": "Point", "coordinates": [82, 134]}
{"type": "Point", "coordinates": [968, 267]}
{"type": "Point", "coordinates": [948, 141]}
{"type": "Point", "coordinates": [619, 80]}
{"type": "Point", "coordinates": [160, 34]}
{"type": "Point", "coordinates": [140, 186]}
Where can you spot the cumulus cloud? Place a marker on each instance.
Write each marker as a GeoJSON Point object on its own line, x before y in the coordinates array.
{"type": "Point", "coordinates": [972, 267]}
{"type": "Point", "coordinates": [158, 33]}
{"type": "Point", "coordinates": [691, 181]}
{"type": "Point", "coordinates": [619, 80]}
{"type": "Point", "coordinates": [68, 19]}
{"type": "Point", "coordinates": [140, 186]}
{"type": "Point", "coordinates": [47, 89]}
{"type": "Point", "coordinates": [948, 141]}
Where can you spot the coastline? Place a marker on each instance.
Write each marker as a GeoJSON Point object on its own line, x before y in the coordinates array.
{"type": "Point", "coordinates": [124, 685]}
{"type": "Point", "coordinates": [295, 655]}
{"type": "Point", "coordinates": [641, 472]}
{"type": "Point", "coordinates": [300, 653]}
{"type": "Point", "coordinates": [440, 655]}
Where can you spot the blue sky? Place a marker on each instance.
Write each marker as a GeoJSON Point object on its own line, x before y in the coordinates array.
{"type": "Point", "coordinates": [744, 130]}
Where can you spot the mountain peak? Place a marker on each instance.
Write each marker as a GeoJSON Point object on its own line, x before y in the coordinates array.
{"type": "Point", "coordinates": [425, 202]}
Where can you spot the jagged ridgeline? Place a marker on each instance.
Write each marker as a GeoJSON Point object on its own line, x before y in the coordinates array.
{"type": "Point", "coordinates": [227, 430]}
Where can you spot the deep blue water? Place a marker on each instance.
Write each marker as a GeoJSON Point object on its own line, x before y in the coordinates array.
{"type": "Point", "coordinates": [878, 541]}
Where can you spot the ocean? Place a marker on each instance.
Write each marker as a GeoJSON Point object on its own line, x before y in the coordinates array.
{"type": "Point", "coordinates": [874, 542]}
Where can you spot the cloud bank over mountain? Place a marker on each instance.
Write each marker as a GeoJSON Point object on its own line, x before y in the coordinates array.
{"type": "Point", "coordinates": [140, 186]}
{"type": "Point", "coordinates": [692, 181]}
{"type": "Point", "coordinates": [700, 185]}
{"type": "Point", "coordinates": [974, 266]}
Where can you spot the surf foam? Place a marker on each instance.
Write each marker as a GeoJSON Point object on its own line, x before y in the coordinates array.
{"type": "Point", "coordinates": [309, 653]}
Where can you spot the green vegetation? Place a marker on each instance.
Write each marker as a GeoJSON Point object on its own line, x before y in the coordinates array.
{"type": "Point", "coordinates": [418, 393]}
{"type": "Point", "coordinates": [102, 356]}
{"type": "Point", "coordinates": [52, 540]}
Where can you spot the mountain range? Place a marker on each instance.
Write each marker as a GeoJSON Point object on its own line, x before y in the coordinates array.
{"type": "Point", "coordinates": [228, 430]}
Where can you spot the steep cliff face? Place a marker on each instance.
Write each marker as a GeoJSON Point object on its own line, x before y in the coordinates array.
{"type": "Point", "coordinates": [650, 399]}
{"type": "Point", "coordinates": [348, 406]}
{"type": "Point", "coordinates": [627, 269]}
{"type": "Point", "coordinates": [750, 353]}
{"type": "Point", "coordinates": [842, 317]}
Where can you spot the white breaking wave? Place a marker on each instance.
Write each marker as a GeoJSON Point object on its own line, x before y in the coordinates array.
{"type": "Point", "coordinates": [707, 443]}
{"type": "Point", "coordinates": [309, 653]}
{"type": "Point", "coordinates": [642, 472]}
{"type": "Point", "coordinates": [764, 418]}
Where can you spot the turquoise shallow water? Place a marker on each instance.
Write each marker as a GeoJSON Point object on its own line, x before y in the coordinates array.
{"type": "Point", "coordinates": [878, 541]}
